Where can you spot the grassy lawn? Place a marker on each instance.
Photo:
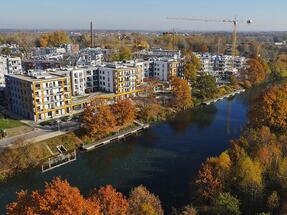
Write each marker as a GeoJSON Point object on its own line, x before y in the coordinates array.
{"type": "Point", "coordinates": [69, 141]}
{"type": "Point", "coordinates": [9, 123]}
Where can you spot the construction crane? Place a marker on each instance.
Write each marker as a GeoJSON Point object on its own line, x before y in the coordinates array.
{"type": "Point", "coordinates": [234, 21]}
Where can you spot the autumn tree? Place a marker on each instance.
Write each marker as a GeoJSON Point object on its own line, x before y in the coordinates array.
{"type": "Point", "coordinates": [142, 202]}
{"type": "Point", "coordinates": [208, 185]}
{"type": "Point", "coordinates": [249, 174]}
{"type": "Point", "coordinates": [186, 210]}
{"type": "Point", "coordinates": [57, 198]}
{"type": "Point", "coordinates": [221, 165]}
{"type": "Point", "coordinates": [273, 201]}
{"type": "Point", "coordinates": [191, 66]}
{"type": "Point", "coordinates": [124, 53]}
{"type": "Point", "coordinates": [111, 202]}
{"type": "Point", "coordinates": [54, 39]}
{"type": "Point", "coordinates": [181, 93]}
{"type": "Point", "coordinates": [255, 72]}
{"type": "Point", "coordinates": [270, 109]}
{"type": "Point", "coordinates": [44, 40]}
{"type": "Point", "coordinates": [124, 112]}
{"type": "Point", "coordinates": [98, 118]}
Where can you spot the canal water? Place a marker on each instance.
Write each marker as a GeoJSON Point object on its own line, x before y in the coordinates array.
{"type": "Point", "coordinates": [165, 158]}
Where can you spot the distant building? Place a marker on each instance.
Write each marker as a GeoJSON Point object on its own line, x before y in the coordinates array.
{"type": "Point", "coordinates": [160, 53]}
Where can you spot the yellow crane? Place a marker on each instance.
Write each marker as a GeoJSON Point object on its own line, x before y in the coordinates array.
{"type": "Point", "coordinates": [234, 21]}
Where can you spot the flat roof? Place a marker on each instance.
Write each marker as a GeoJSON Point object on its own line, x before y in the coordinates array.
{"type": "Point", "coordinates": [39, 77]}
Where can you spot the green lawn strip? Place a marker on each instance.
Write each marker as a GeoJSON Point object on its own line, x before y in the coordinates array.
{"type": "Point", "coordinates": [9, 123]}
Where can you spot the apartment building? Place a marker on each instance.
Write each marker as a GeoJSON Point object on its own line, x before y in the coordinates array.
{"type": "Point", "coordinates": [160, 53]}
{"type": "Point", "coordinates": [9, 65]}
{"type": "Point", "coordinates": [119, 79]}
{"type": "Point", "coordinates": [39, 95]}
{"type": "Point", "coordinates": [220, 64]}
{"type": "Point", "coordinates": [164, 69]}
{"type": "Point", "coordinates": [3, 71]}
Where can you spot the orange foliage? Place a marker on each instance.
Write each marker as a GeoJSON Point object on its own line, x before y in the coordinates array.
{"type": "Point", "coordinates": [207, 183]}
{"type": "Point", "coordinates": [255, 72]}
{"type": "Point", "coordinates": [124, 111]}
{"type": "Point", "coordinates": [58, 198]}
{"type": "Point", "coordinates": [110, 201]}
{"type": "Point", "coordinates": [181, 93]}
{"type": "Point", "coordinates": [99, 118]}
{"type": "Point", "coordinates": [270, 109]}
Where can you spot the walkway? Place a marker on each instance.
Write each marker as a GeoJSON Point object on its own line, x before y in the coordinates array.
{"type": "Point", "coordinates": [114, 137]}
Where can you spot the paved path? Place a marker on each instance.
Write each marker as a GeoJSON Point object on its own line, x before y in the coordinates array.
{"type": "Point", "coordinates": [36, 135]}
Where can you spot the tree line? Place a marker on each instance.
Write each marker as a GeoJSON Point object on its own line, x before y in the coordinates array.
{"type": "Point", "coordinates": [59, 197]}
{"type": "Point", "coordinates": [251, 176]}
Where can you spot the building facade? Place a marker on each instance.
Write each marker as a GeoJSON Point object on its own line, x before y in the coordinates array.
{"type": "Point", "coordinates": [39, 95]}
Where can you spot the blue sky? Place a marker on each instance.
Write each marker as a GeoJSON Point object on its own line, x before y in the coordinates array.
{"type": "Point", "coordinates": [144, 14]}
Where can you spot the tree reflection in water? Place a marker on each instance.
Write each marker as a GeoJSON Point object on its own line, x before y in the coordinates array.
{"type": "Point", "coordinates": [201, 117]}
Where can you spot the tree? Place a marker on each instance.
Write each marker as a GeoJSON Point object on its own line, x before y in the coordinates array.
{"type": "Point", "coordinates": [124, 112]}
{"type": "Point", "coordinates": [181, 93]}
{"type": "Point", "coordinates": [44, 41]}
{"type": "Point", "coordinates": [249, 174]}
{"type": "Point", "coordinates": [270, 109]}
{"type": "Point", "coordinates": [125, 53]}
{"type": "Point", "coordinates": [221, 165]}
{"type": "Point", "coordinates": [225, 203]}
{"type": "Point", "coordinates": [111, 202]}
{"type": "Point", "coordinates": [54, 39]}
{"type": "Point", "coordinates": [57, 198]}
{"type": "Point", "coordinates": [98, 118]}
{"type": "Point", "coordinates": [206, 84]}
{"type": "Point", "coordinates": [187, 210]}
{"type": "Point", "coordinates": [190, 72]}
{"type": "Point", "coordinates": [142, 202]}
{"type": "Point", "coordinates": [207, 183]}
{"type": "Point", "coordinates": [255, 72]}
{"type": "Point", "coordinates": [273, 201]}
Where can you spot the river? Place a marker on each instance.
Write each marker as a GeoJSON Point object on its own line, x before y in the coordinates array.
{"type": "Point", "coordinates": [165, 158]}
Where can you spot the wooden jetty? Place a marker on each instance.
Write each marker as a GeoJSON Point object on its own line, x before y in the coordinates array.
{"type": "Point", "coordinates": [59, 160]}
{"type": "Point", "coordinates": [118, 136]}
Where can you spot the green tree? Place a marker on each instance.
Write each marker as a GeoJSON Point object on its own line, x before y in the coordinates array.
{"type": "Point", "coordinates": [206, 85]}
{"type": "Point", "coordinates": [225, 203]}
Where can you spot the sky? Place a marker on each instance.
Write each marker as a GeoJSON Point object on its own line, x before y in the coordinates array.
{"type": "Point", "coordinates": [268, 15]}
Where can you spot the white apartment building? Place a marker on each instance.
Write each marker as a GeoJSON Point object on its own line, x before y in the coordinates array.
{"type": "Point", "coordinates": [9, 65]}
{"type": "Point", "coordinates": [164, 69]}
{"type": "Point", "coordinates": [3, 71]}
{"type": "Point", "coordinates": [160, 53]}
{"type": "Point", "coordinates": [119, 79]}
{"type": "Point", "coordinates": [220, 64]}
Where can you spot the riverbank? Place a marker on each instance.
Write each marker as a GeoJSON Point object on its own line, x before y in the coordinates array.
{"type": "Point", "coordinates": [165, 158]}
{"type": "Point", "coordinates": [33, 155]}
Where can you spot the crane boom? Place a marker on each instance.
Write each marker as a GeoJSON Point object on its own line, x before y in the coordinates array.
{"type": "Point", "coordinates": [202, 20]}
{"type": "Point", "coordinates": [234, 21]}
